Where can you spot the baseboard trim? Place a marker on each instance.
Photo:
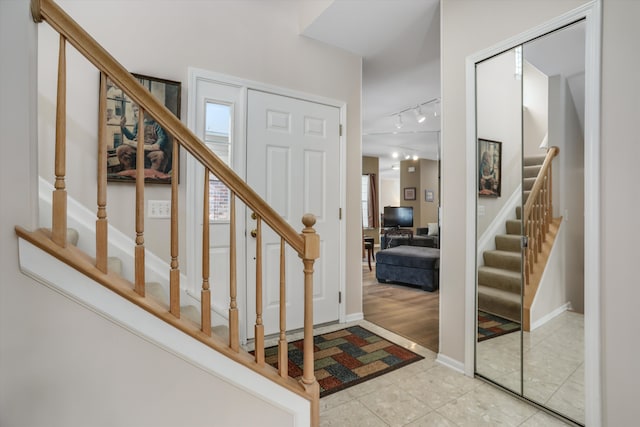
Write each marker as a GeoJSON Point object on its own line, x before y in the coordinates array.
{"type": "Point", "coordinates": [558, 311]}
{"type": "Point", "coordinates": [447, 361]}
{"type": "Point", "coordinates": [353, 317]}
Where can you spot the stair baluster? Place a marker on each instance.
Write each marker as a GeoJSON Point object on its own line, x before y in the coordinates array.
{"type": "Point", "coordinates": [259, 327]}
{"type": "Point", "coordinates": [234, 337]}
{"type": "Point", "coordinates": [101, 221]}
{"type": "Point", "coordinates": [139, 251]}
{"type": "Point", "coordinates": [205, 300]}
{"type": "Point", "coordinates": [59, 201]}
{"type": "Point", "coordinates": [283, 352]}
{"type": "Point", "coordinates": [174, 273]}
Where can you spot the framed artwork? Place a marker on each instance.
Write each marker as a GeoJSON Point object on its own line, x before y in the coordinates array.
{"type": "Point", "coordinates": [410, 193]}
{"type": "Point", "coordinates": [428, 195]}
{"type": "Point", "coordinates": [489, 168]}
{"type": "Point", "coordinates": [122, 133]}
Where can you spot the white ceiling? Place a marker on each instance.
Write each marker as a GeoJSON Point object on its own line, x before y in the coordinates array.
{"type": "Point", "coordinates": [562, 53]}
{"type": "Point", "coordinates": [399, 41]}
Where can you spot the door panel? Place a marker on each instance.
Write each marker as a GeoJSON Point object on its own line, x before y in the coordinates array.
{"type": "Point", "coordinates": [292, 155]}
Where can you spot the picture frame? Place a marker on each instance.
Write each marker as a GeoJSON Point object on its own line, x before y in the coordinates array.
{"type": "Point", "coordinates": [428, 195]}
{"type": "Point", "coordinates": [122, 123]}
{"type": "Point", "coordinates": [410, 193]}
{"type": "Point", "coordinates": [489, 168]}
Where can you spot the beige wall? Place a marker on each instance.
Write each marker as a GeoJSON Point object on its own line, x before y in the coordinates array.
{"type": "Point", "coordinates": [428, 181]}
{"type": "Point", "coordinates": [255, 40]}
{"type": "Point", "coordinates": [60, 363]}
{"type": "Point", "coordinates": [489, 22]}
{"type": "Point", "coordinates": [423, 177]}
{"type": "Point", "coordinates": [369, 166]}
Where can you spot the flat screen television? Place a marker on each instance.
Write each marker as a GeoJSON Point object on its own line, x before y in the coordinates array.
{"type": "Point", "coordinates": [398, 216]}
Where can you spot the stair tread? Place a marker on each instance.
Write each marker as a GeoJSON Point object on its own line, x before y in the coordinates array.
{"type": "Point", "coordinates": [500, 278]}
{"type": "Point", "coordinates": [534, 160]}
{"type": "Point", "coordinates": [500, 271]}
{"type": "Point", "coordinates": [500, 293]}
{"type": "Point", "coordinates": [508, 260]}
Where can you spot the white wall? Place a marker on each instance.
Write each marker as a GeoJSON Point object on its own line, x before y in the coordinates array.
{"type": "Point", "coordinates": [255, 40]}
{"type": "Point", "coordinates": [469, 26]}
{"type": "Point", "coordinates": [620, 205]}
{"type": "Point", "coordinates": [499, 118]}
{"type": "Point", "coordinates": [536, 107]}
{"type": "Point", "coordinates": [571, 195]}
{"type": "Point", "coordinates": [61, 364]}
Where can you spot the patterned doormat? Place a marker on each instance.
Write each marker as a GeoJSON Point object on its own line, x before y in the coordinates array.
{"type": "Point", "coordinates": [491, 326]}
{"type": "Point", "coordinates": [345, 358]}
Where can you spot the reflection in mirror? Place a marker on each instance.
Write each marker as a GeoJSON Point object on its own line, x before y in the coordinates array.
{"type": "Point", "coordinates": [499, 201]}
{"type": "Point", "coordinates": [218, 139]}
{"type": "Point", "coordinates": [553, 115]}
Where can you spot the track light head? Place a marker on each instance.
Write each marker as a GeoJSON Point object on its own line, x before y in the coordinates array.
{"type": "Point", "coordinates": [399, 123]}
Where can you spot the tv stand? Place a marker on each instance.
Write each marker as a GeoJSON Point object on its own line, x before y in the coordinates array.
{"type": "Point", "coordinates": [397, 231]}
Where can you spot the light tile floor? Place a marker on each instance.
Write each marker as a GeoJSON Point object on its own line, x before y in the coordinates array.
{"type": "Point", "coordinates": [552, 362]}
{"type": "Point", "coordinates": [423, 394]}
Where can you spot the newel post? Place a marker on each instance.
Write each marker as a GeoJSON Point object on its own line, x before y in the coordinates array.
{"type": "Point", "coordinates": [311, 253]}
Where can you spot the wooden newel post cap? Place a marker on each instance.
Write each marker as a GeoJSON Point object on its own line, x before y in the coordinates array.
{"type": "Point", "coordinates": [311, 238]}
{"type": "Point", "coordinates": [309, 220]}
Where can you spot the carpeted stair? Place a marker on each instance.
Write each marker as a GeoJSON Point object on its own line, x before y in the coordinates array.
{"type": "Point", "coordinates": [500, 278]}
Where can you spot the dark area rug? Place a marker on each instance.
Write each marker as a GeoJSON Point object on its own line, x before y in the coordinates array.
{"type": "Point", "coordinates": [345, 358]}
{"type": "Point", "coordinates": [491, 326]}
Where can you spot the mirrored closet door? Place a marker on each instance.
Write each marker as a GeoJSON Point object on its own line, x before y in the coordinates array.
{"type": "Point", "coordinates": [529, 103]}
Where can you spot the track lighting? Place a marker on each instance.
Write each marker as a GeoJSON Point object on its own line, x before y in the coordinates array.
{"type": "Point", "coordinates": [419, 116]}
{"type": "Point", "coordinates": [399, 123]}
{"type": "Point", "coordinates": [417, 110]}
{"type": "Point", "coordinates": [394, 154]}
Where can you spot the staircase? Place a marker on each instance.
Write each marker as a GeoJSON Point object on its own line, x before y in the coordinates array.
{"type": "Point", "coordinates": [194, 322]}
{"type": "Point", "coordinates": [501, 277]}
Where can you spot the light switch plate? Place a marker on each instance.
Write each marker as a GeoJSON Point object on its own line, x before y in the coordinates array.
{"type": "Point", "coordinates": [159, 209]}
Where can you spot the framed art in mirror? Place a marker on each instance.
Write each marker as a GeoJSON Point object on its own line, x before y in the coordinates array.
{"type": "Point", "coordinates": [489, 168]}
{"type": "Point", "coordinates": [122, 133]}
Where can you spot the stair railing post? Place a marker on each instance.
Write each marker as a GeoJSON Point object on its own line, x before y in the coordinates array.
{"type": "Point", "coordinates": [101, 221]}
{"type": "Point", "coordinates": [59, 201]}
{"type": "Point", "coordinates": [311, 253]}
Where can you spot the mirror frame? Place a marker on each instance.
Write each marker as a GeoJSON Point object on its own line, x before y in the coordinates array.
{"type": "Point", "coordinates": [591, 13]}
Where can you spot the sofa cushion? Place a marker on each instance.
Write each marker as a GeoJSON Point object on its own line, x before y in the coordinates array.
{"type": "Point", "coordinates": [410, 256]}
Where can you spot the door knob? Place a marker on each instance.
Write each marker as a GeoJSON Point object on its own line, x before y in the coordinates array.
{"type": "Point", "coordinates": [253, 215]}
{"type": "Point", "coordinates": [254, 233]}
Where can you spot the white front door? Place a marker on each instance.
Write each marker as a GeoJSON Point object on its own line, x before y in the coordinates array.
{"type": "Point", "coordinates": [293, 162]}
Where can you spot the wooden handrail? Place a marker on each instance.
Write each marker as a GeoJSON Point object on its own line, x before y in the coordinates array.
{"type": "Point", "coordinates": [85, 44]}
{"type": "Point", "coordinates": [537, 186]}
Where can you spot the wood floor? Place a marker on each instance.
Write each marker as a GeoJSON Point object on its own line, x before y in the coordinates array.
{"type": "Point", "coordinates": [410, 312]}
